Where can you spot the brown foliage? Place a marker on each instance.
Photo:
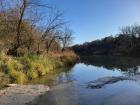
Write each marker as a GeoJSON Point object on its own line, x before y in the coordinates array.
{"type": "Point", "coordinates": [21, 31]}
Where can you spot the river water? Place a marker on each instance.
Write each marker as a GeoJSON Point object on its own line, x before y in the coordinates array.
{"type": "Point", "coordinates": [69, 86]}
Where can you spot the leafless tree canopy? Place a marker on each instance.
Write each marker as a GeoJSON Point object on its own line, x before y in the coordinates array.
{"type": "Point", "coordinates": [30, 26]}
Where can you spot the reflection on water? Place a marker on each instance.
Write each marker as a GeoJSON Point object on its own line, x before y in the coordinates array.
{"type": "Point", "coordinates": [54, 78]}
{"type": "Point", "coordinates": [127, 64]}
{"type": "Point", "coordinates": [69, 85]}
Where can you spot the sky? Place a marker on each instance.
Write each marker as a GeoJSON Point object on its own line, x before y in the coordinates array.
{"type": "Point", "coordinates": [95, 19]}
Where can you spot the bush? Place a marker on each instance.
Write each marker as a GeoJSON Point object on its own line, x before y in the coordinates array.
{"type": "Point", "coordinates": [17, 76]}
{"type": "Point", "coordinates": [32, 74]}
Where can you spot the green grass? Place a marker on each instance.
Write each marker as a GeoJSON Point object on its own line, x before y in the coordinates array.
{"type": "Point", "coordinates": [25, 68]}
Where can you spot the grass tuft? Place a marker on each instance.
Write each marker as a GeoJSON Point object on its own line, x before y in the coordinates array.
{"type": "Point", "coordinates": [24, 68]}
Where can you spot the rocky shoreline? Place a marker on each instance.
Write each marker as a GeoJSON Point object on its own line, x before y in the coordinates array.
{"type": "Point", "coordinates": [21, 94]}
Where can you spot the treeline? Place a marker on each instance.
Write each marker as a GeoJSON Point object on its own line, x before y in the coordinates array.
{"type": "Point", "coordinates": [32, 27]}
{"type": "Point", "coordinates": [127, 42]}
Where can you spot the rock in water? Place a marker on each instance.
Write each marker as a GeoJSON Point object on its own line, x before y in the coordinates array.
{"type": "Point", "coordinates": [99, 83]}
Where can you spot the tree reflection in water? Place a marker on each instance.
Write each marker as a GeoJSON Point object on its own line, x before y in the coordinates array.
{"type": "Point", "coordinates": [128, 65]}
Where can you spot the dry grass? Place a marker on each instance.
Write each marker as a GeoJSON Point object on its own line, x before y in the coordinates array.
{"type": "Point", "coordinates": [27, 67]}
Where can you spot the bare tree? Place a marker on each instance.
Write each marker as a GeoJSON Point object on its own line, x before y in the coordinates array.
{"type": "Point", "coordinates": [54, 22]}
{"type": "Point", "coordinates": [22, 22]}
{"type": "Point", "coordinates": [52, 32]}
{"type": "Point", "coordinates": [132, 31]}
{"type": "Point", "coordinates": [25, 8]}
{"type": "Point", "coordinates": [8, 21]}
{"type": "Point", "coordinates": [67, 38]}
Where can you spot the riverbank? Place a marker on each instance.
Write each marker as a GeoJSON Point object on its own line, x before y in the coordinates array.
{"type": "Point", "coordinates": [68, 94]}
{"type": "Point", "coordinates": [27, 67]}
{"type": "Point", "coordinates": [70, 87]}
{"type": "Point", "coordinates": [21, 94]}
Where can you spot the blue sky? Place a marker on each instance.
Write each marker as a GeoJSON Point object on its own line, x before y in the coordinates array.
{"type": "Point", "coordinates": [95, 19]}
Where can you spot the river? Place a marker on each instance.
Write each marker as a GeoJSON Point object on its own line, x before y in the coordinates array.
{"type": "Point", "coordinates": [69, 86]}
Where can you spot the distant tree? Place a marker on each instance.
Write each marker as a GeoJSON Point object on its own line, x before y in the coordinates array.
{"type": "Point", "coordinates": [133, 31]}
{"type": "Point", "coordinates": [127, 42]}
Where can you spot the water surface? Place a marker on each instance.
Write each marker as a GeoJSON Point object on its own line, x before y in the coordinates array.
{"type": "Point", "coordinates": [69, 86]}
